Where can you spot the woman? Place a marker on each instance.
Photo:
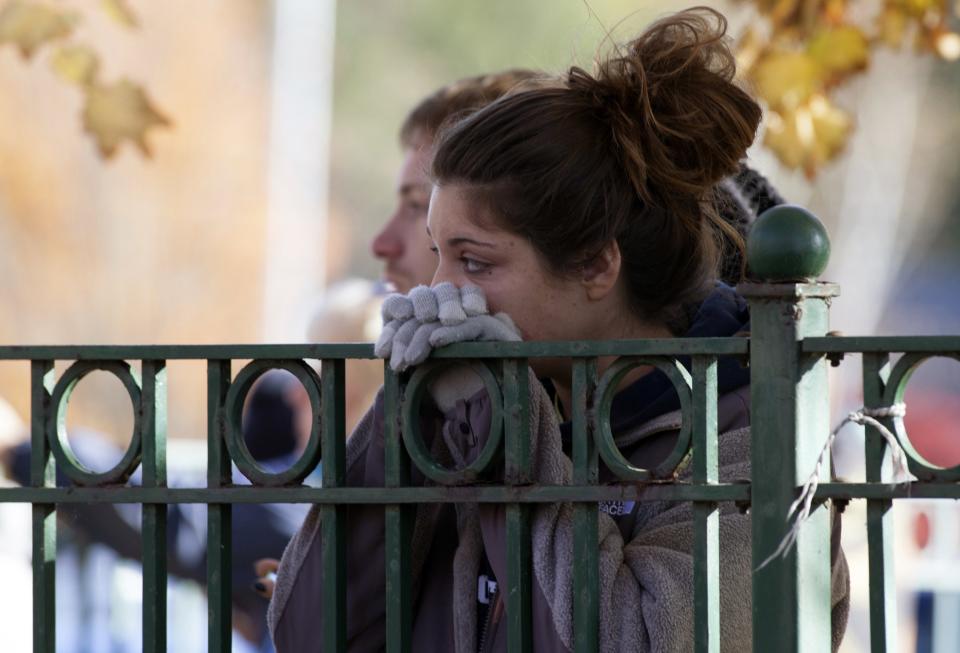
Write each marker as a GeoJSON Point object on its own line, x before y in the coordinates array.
{"type": "Point", "coordinates": [582, 210]}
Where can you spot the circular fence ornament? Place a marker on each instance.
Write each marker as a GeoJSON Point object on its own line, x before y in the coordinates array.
{"type": "Point", "coordinates": [236, 397]}
{"type": "Point", "coordinates": [606, 443]}
{"type": "Point", "coordinates": [417, 386]}
{"type": "Point", "coordinates": [67, 460]}
{"type": "Point", "coordinates": [896, 388]}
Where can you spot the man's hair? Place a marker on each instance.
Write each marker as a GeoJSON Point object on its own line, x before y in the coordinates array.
{"type": "Point", "coordinates": [457, 100]}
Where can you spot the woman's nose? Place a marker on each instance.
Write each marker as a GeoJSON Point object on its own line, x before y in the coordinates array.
{"type": "Point", "coordinates": [444, 273]}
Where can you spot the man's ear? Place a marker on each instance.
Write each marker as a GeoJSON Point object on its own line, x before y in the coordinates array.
{"type": "Point", "coordinates": [600, 275]}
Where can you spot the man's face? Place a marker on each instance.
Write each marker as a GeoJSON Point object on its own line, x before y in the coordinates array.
{"type": "Point", "coordinates": [402, 244]}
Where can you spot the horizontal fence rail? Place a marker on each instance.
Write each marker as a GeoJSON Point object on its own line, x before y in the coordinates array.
{"type": "Point", "coordinates": [788, 429]}
{"type": "Point", "coordinates": [583, 349]}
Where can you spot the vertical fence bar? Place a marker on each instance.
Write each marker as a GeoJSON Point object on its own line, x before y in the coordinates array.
{"type": "Point", "coordinates": [219, 515]}
{"type": "Point", "coordinates": [706, 518]}
{"type": "Point", "coordinates": [333, 516]}
{"type": "Point", "coordinates": [586, 546]}
{"type": "Point", "coordinates": [153, 407]}
{"type": "Point", "coordinates": [42, 474]}
{"type": "Point", "coordinates": [516, 395]}
{"type": "Point", "coordinates": [883, 598]}
{"type": "Point", "coordinates": [398, 522]}
{"type": "Point", "coordinates": [790, 422]}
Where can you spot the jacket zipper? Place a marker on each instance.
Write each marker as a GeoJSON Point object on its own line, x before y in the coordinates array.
{"type": "Point", "coordinates": [493, 616]}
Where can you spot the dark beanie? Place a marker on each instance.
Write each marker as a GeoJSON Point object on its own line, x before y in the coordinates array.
{"type": "Point", "coordinates": [739, 200]}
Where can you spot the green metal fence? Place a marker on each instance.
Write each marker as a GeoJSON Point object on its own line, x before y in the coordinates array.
{"type": "Point", "coordinates": [788, 352]}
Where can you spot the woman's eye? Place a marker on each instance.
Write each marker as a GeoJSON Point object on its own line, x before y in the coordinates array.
{"type": "Point", "coordinates": [435, 250]}
{"type": "Point", "coordinates": [473, 266]}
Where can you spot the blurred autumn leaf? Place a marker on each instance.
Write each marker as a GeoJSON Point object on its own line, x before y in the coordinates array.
{"type": "Point", "coordinates": [119, 112]}
{"type": "Point", "coordinates": [838, 51]}
{"type": "Point", "coordinates": [112, 113]}
{"type": "Point", "coordinates": [76, 63]}
{"type": "Point", "coordinates": [29, 25]}
{"type": "Point", "coordinates": [809, 47]}
{"type": "Point", "coordinates": [787, 79]}
{"type": "Point", "coordinates": [120, 11]}
{"type": "Point", "coordinates": [808, 136]}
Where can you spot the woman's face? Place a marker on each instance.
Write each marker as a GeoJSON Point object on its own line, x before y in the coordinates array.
{"type": "Point", "coordinates": [512, 275]}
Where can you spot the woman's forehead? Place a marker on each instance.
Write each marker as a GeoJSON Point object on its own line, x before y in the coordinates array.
{"type": "Point", "coordinates": [456, 208]}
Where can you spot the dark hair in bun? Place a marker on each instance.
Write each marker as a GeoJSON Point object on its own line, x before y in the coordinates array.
{"type": "Point", "coordinates": [632, 153]}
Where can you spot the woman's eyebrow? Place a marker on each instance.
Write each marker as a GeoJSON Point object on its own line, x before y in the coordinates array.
{"type": "Point", "coordinates": [463, 240]}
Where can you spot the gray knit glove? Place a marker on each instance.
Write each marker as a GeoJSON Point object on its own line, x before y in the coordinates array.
{"type": "Point", "coordinates": [426, 318]}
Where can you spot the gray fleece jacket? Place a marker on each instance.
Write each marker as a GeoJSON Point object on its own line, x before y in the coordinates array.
{"type": "Point", "coordinates": [646, 561]}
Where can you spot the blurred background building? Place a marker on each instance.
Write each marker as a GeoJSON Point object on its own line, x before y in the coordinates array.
{"type": "Point", "coordinates": [278, 164]}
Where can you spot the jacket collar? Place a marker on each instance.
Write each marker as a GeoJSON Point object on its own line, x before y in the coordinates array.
{"type": "Point", "coordinates": [722, 313]}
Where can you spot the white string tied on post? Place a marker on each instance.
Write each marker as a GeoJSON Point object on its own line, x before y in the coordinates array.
{"type": "Point", "coordinates": [800, 509]}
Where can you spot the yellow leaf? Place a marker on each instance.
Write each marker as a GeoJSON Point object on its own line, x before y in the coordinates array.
{"type": "Point", "coordinates": [893, 25]}
{"type": "Point", "coordinates": [809, 136]}
{"type": "Point", "coordinates": [782, 138]}
{"type": "Point", "coordinates": [787, 79]}
{"type": "Point", "coordinates": [118, 112]}
{"type": "Point", "coordinates": [76, 63]}
{"type": "Point", "coordinates": [28, 25]}
{"type": "Point", "coordinates": [120, 11]}
{"type": "Point", "coordinates": [831, 128]}
{"type": "Point", "coordinates": [839, 50]}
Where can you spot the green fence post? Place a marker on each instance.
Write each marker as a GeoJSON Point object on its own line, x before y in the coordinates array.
{"type": "Point", "coordinates": [153, 421]}
{"type": "Point", "coordinates": [42, 474]}
{"type": "Point", "coordinates": [333, 516]}
{"type": "Point", "coordinates": [586, 540]}
{"type": "Point", "coordinates": [787, 249]}
{"type": "Point", "coordinates": [706, 516]}
{"type": "Point", "coordinates": [219, 515]}
{"type": "Point", "coordinates": [517, 471]}
{"type": "Point", "coordinates": [883, 596]}
{"type": "Point", "coordinates": [398, 523]}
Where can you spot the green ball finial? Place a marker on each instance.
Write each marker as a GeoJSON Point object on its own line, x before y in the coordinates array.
{"type": "Point", "coordinates": [787, 243]}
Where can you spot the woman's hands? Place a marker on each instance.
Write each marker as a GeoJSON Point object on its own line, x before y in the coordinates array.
{"type": "Point", "coordinates": [426, 318]}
